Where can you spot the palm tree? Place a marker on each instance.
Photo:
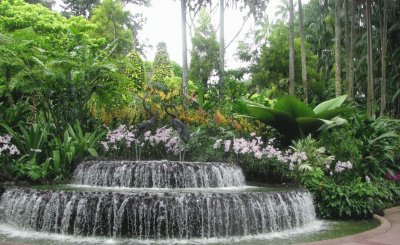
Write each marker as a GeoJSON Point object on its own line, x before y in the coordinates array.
{"type": "Point", "coordinates": [351, 51]}
{"type": "Point", "coordinates": [303, 54]}
{"type": "Point", "coordinates": [184, 50]}
{"type": "Point", "coordinates": [370, 73]}
{"type": "Point", "coordinates": [347, 37]}
{"type": "Point", "coordinates": [221, 46]}
{"type": "Point", "coordinates": [337, 49]}
{"type": "Point", "coordinates": [383, 59]}
{"type": "Point", "coordinates": [291, 49]}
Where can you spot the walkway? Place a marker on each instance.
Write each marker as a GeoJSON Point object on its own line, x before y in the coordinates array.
{"type": "Point", "coordinates": [388, 233]}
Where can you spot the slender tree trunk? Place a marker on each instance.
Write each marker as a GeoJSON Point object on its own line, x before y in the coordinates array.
{"type": "Point", "coordinates": [347, 37]}
{"type": "Point", "coordinates": [184, 50]}
{"type": "Point", "coordinates": [291, 49]}
{"type": "Point", "coordinates": [383, 60]}
{"type": "Point", "coordinates": [370, 77]}
{"type": "Point", "coordinates": [351, 52]}
{"type": "Point", "coordinates": [303, 54]}
{"type": "Point", "coordinates": [221, 47]}
{"type": "Point", "coordinates": [337, 50]}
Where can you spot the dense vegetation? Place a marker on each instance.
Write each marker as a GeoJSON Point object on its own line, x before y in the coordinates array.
{"type": "Point", "coordinates": [74, 86]}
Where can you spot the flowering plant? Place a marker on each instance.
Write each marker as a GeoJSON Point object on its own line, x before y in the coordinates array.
{"type": "Point", "coordinates": [6, 147]}
{"type": "Point", "coordinates": [122, 141]}
{"type": "Point", "coordinates": [256, 148]}
{"type": "Point", "coordinates": [167, 138]}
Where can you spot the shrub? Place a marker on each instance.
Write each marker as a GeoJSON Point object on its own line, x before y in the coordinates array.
{"type": "Point", "coordinates": [354, 198]}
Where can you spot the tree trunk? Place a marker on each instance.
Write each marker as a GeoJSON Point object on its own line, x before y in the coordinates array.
{"type": "Point", "coordinates": [383, 60]}
{"type": "Point", "coordinates": [347, 37]}
{"type": "Point", "coordinates": [337, 50]}
{"type": "Point", "coordinates": [303, 55]}
{"type": "Point", "coordinates": [291, 49]}
{"type": "Point", "coordinates": [184, 50]}
{"type": "Point", "coordinates": [350, 95]}
{"type": "Point", "coordinates": [370, 77]}
{"type": "Point", "coordinates": [221, 47]}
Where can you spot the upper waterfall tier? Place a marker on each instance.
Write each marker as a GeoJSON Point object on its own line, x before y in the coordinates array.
{"type": "Point", "coordinates": [158, 174]}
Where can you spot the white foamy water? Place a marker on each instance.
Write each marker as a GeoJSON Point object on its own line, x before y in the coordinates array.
{"type": "Point", "coordinates": [10, 233]}
{"type": "Point", "coordinates": [158, 174]}
{"type": "Point", "coordinates": [159, 190]}
{"type": "Point", "coordinates": [148, 215]}
{"type": "Point", "coordinates": [155, 201]}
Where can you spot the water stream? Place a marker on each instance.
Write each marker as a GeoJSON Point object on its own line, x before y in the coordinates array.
{"type": "Point", "coordinates": [157, 201]}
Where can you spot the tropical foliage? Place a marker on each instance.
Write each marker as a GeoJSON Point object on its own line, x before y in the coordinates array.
{"type": "Point", "coordinates": [75, 85]}
{"type": "Point", "coordinates": [293, 118]}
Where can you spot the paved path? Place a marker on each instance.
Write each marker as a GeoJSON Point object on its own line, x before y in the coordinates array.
{"type": "Point", "coordinates": [388, 233]}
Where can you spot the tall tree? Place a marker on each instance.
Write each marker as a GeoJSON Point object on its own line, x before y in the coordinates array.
{"type": "Point", "coordinates": [84, 7]}
{"type": "Point", "coordinates": [205, 51]}
{"type": "Point", "coordinates": [221, 46]}
{"type": "Point", "coordinates": [338, 79]}
{"type": "Point", "coordinates": [383, 58]}
{"type": "Point", "coordinates": [135, 71]}
{"type": "Point", "coordinates": [291, 48]}
{"type": "Point", "coordinates": [303, 54]}
{"type": "Point", "coordinates": [254, 7]}
{"type": "Point", "coordinates": [184, 50]}
{"type": "Point", "coordinates": [113, 23]}
{"type": "Point", "coordinates": [351, 51]}
{"type": "Point", "coordinates": [370, 72]}
{"type": "Point", "coordinates": [46, 3]}
{"type": "Point", "coordinates": [162, 67]}
{"type": "Point", "coordinates": [347, 38]}
{"type": "Point", "coordinates": [79, 7]}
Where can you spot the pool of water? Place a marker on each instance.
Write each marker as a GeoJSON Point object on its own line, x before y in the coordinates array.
{"type": "Point", "coordinates": [318, 230]}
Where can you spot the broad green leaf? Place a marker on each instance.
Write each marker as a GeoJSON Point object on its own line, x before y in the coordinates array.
{"type": "Point", "coordinates": [293, 107]}
{"type": "Point", "coordinates": [309, 125]}
{"type": "Point", "coordinates": [261, 113]}
{"type": "Point", "coordinates": [329, 114]}
{"type": "Point", "coordinates": [336, 121]}
{"type": "Point", "coordinates": [330, 104]}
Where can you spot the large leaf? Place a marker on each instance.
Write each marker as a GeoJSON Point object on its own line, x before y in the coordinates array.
{"type": "Point", "coordinates": [280, 120]}
{"type": "Point", "coordinates": [263, 114]}
{"type": "Point", "coordinates": [293, 107]}
{"type": "Point", "coordinates": [330, 104]}
{"type": "Point", "coordinates": [309, 125]}
{"type": "Point", "coordinates": [336, 121]}
{"type": "Point", "coordinates": [292, 118]}
{"type": "Point", "coordinates": [329, 114]}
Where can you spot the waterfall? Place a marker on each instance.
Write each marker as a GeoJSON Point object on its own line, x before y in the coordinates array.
{"type": "Point", "coordinates": [157, 215]}
{"type": "Point", "coordinates": [194, 203]}
{"type": "Point", "coordinates": [158, 174]}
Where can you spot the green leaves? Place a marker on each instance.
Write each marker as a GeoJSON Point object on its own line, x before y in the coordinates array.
{"type": "Point", "coordinates": [330, 104]}
{"type": "Point", "coordinates": [292, 118]}
{"type": "Point", "coordinates": [75, 144]}
{"type": "Point", "coordinates": [162, 68]}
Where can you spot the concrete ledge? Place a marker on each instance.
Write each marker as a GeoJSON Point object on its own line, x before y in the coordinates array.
{"type": "Point", "coordinates": [383, 227]}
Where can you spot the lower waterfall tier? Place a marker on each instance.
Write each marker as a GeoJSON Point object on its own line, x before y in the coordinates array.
{"type": "Point", "coordinates": [158, 174]}
{"type": "Point", "coordinates": [156, 215]}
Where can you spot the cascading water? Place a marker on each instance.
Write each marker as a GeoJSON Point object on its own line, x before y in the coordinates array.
{"type": "Point", "coordinates": [158, 174]}
{"type": "Point", "coordinates": [193, 206]}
